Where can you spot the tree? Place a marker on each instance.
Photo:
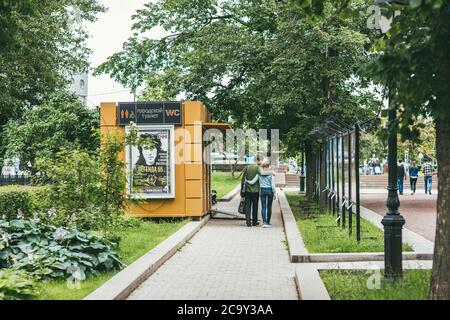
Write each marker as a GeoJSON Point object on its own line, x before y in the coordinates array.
{"type": "Point", "coordinates": [415, 65]}
{"type": "Point", "coordinates": [264, 64]}
{"type": "Point", "coordinates": [41, 44]}
{"type": "Point", "coordinates": [61, 122]}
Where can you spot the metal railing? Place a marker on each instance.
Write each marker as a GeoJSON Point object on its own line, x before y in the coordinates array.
{"type": "Point", "coordinates": [13, 179]}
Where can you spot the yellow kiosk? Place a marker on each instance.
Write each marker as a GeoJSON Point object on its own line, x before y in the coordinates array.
{"type": "Point", "coordinates": [173, 177]}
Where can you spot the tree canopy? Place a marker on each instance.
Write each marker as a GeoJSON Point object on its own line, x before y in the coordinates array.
{"type": "Point", "coordinates": [42, 43]}
{"type": "Point", "coordinates": [264, 64]}
{"type": "Point", "coordinates": [61, 122]}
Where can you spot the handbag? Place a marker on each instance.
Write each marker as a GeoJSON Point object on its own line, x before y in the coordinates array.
{"type": "Point", "coordinates": [241, 208]}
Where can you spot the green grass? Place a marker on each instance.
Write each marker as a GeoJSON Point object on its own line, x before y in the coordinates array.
{"type": "Point", "coordinates": [135, 242]}
{"type": "Point", "coordinates": [353, 285]}
{"type": "Point", "coordinates": [223, 183]}
{"type": "Point", "coordinates": [321, 234]}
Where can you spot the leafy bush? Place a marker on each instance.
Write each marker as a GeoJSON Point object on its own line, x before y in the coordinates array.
{"type": "Point", "coordinates": [87, 190]}
{"type": "Point", "coordinates": [48, 252]}
{"type": "Point", "coordinates": [22, 200]}
{"type": "Point", "coordinates": [15, 285]}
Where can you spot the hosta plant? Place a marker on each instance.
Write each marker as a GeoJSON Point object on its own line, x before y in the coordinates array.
{"type": "Point", "coordinates": [47, 252]}
{"type": "Point", "coordinates": [15, 285]}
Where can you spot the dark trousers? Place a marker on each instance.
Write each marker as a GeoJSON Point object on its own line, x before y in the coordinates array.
{"type": "Point", "coordinates": [251, 208]}
{"type": "Point", "coordinates": [413, 182]}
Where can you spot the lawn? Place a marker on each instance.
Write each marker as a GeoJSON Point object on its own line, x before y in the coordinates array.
{"type": "Point", "coordinates": [135, 242]}
{"type": "Point", "coordinates": [354, 285]}
{"type": "Point", "coordinates": [322, 235]}
{"type": "Point", "coordinates": [223, 183]}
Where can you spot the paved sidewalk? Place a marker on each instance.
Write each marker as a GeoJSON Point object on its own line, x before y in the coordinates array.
{"type": "Point", "coordinates": [419, 211]}
{"type": "Point", "coordinates": [226, 260]}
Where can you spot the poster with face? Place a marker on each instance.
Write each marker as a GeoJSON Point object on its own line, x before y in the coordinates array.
{"type": "Point", "coordinates": [150, 164]}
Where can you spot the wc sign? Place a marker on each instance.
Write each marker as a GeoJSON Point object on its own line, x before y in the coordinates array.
{"type": "Point", "coordinates": [150, 113]}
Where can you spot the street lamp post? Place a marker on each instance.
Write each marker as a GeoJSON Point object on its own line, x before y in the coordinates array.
{"type": "Point", "coordinates": [393, 222]}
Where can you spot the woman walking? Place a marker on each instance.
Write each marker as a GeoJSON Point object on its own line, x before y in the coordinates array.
{"type": "Point", "coordinates": [413, 175]}
{"type": "Point", "coordinates": [267, 193]}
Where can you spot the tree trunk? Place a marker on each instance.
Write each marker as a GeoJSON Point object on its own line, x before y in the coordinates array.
{"type": "Point", "coordinates": [310, 169]}
{"type": "Point", "coordinates": [440, 279]}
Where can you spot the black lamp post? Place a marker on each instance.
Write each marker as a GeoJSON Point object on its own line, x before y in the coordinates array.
{"type": "Point", "coordinates": [302, 174]}
{"type": "Point", "coordinates": [393, 222]}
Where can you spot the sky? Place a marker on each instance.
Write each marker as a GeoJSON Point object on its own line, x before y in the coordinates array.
{"type": "Point", "coordinates": [107, 36]}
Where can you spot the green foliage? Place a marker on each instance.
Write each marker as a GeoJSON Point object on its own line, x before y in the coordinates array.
{"type": "Point", "coordinates": [22, 200]}
{"type": "Point", "coordinates": [41, 43]}
{"type": "Point", "coordinates": [41, 132]}
{"type": "Point", "coordinates": [110, 192]}
{"type": "Point", "coordinates": [352, 285]}
{"type": "Point", "coordinates": [137, 237]}
{"type": "Point", "coordinates": [87, 190]}
{"type": "Point", "coordinates": [48, 252]}
{"type": "Point", "coordinates": [74, 177]}
{"type": "Point", "coordinates": [372, 143]}
{"type": "Point", "coordinates": [412, 60]}
{"type": "Point", "coordinates": [133, 139]}
{"type": "Point", "coordinates": [15, 285]}
{"type": "Point", "coordinates": [267, 64]}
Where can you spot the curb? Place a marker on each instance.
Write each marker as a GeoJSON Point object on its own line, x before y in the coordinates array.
{"type": "Point", "coordinates": [126, 281]}
{"type": "Point", "coordinates": [296, 246]}
{"type": "Point", "coordinates": [356, 257]}
{"type": "Point", "coordinates": [309, 284]}
{"type": "Point", "coordinates": [230, 195]}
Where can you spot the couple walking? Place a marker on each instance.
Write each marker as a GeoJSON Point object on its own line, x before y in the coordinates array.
{"type": "Point", "coordinates": [258, 183]}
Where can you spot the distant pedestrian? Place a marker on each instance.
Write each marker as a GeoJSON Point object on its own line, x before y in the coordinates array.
{"type": "Point", "coordinates": [267, 193]}
{"type": "Point", "coordinates": [413, 176]}
{"type": "Point", "coordinates": [401, 175]}
{"type": "Point", "coordinates": [427, 170]}
{"type": "Point", "coordinates": [378, 168]}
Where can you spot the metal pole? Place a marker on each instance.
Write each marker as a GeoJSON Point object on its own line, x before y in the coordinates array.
{"type": "Point", "coordinates": [302, 173]}
{"type": "Point", "coordinates": [393, 222]}
{"type": "Point", "coordinates": [332, 201]}
{"type": "Point", "coordinates": [357, 200]}
{"type": "Point", "coordinates": [337, 198]}
{"type": "Point", "coordinates": [349, 196]}
{"type": "Point", "coordinates": [343, 179]}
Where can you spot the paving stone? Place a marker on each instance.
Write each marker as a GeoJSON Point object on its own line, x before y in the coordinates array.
{"type": "Point", "coordinates": [226, 260]}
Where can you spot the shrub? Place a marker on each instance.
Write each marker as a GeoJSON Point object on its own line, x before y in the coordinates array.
{"type": "Point", "coordinates": [49, 252]}
{"type": "Point", "coordinates": [15, 285]}
{"type": "Point", "coordinates": [22, 200]}
{"type": "Point", "coordinates": [87, 190]}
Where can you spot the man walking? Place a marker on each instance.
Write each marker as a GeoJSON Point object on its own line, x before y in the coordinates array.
{"type": "Point", "coordinates": [250, 191]}
{"type": "Point", "coordinates": [401, 175]}
{"type": "Point", "coordinates": [427, 170]}
{"type": "Point", "coordinates": [413, 175]}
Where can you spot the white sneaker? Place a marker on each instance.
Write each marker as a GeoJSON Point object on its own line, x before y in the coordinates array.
{"type": "Point", "coordinates": [268, 226]}
{"type": "Point", "coordinates": [264, 225]}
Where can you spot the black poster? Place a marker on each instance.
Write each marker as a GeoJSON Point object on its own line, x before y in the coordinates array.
{"type": "Point", "coordinates": [150, 113]}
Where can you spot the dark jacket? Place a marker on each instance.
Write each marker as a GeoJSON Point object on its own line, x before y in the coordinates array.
{"type": "Point", "coordinates": [401, 172]}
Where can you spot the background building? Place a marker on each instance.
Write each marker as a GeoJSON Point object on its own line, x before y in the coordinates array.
{"type": "Point", "coordinates": [79, 86]}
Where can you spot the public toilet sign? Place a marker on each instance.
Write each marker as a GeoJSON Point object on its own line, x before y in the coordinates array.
{"type": "Point", "coordinates": [148, 113]}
